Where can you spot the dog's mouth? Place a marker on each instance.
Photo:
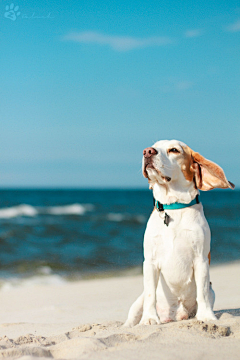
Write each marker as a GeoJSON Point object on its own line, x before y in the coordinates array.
{"type": "Point", "coordinates": [149, 165]}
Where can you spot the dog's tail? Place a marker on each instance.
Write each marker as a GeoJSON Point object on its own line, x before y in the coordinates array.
{"type": "Point", "coordinates": [135, 312]}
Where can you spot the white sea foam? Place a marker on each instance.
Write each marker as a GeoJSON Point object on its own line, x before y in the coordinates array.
{"type": "Point", "coordinates": [115, 217]}
{"type": "Point", "coordinates": [53, 279]}
{"type": "Point", "coordinates": [141, 219]}
{"type": "Point", "coordinates": [74, 209]}
{"type": "Point", "coordinates": [20, 210]}
{"type": "Point", "coordinates": [118, 217]}
{"type": "Point", "coordinates": [28, 210]}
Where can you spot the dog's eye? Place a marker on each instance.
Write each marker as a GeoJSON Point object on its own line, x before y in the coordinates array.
{"type": "Point", "coordinates": [174, 150]}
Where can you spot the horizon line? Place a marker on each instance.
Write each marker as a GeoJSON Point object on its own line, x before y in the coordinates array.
{"type": "Point", "coordinates": [99, 188]}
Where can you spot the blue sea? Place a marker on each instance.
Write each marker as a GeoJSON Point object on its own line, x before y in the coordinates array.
{"type": "Point", "coordinates": [68, 234]}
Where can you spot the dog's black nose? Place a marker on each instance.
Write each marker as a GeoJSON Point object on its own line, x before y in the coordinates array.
{"type": "Point", "coordinates": [148, 152]}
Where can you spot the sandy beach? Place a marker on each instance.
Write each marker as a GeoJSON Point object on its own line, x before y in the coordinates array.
{"type": "Point", "coordinates": [83, 319]}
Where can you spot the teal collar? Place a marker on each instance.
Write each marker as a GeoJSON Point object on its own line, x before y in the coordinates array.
{"type": "Point", "coordinates": [176, 205]}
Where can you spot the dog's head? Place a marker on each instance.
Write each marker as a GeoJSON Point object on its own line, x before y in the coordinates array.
{"type": "Point", "coordinates": [173, 162]}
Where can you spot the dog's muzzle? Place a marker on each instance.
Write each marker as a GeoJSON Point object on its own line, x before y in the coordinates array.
{"type": "Point", "coordinates": [147, 160]}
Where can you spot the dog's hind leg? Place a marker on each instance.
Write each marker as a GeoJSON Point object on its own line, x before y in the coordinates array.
{"type": "Point", "coordinates": [191, 305]}
{"type": "Point", "coordinates": [135, 312]}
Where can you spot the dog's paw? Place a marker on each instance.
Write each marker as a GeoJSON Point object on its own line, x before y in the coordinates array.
{"type": "Point", "coordinates": [182, 316]}
{"type": "Point", "coordinates": [182, 313]}
{"type": "Point", "coordinates": [150, 320]}
{"type": "Point", "coordinates": [205, 315]}
{"type": "Point", "coordinates": [166, 319]}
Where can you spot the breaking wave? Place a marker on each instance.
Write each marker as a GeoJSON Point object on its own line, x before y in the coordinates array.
{"type": "Point", "coordinates": [119, 217]}
{"type": "Point", "coordinates": [31, 211]}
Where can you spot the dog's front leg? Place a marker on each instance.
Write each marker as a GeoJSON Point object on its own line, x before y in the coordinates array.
{"type": "Point", "coordinates": [201, 273]}
{"type": "Point", "coordinates": [150, 276]}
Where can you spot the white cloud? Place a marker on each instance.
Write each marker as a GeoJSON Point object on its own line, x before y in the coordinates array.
{"type": "Point", "coordinates": [234, 27]}
{"type": "Point", "coordinates": [118, 43]}
{"type": "Point", "coordinates": [193, 33]}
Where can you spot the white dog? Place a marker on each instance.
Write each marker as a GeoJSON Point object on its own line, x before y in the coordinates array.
{"type": "Point", "coordinates": [177, 237]}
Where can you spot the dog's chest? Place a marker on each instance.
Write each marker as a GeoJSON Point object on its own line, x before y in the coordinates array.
{"type": "Point", "coordinates": [173, 246]}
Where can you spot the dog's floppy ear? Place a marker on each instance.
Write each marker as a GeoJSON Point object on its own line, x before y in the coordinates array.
{"type": "Point", "coordinates": [208, 175]}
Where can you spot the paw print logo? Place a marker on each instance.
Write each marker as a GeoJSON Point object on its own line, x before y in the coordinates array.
{"type": "Point", "coordinates": [11, 12]}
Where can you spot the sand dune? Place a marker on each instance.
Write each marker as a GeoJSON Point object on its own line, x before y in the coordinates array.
{"type": "Point", "coordinates": [84, 319]}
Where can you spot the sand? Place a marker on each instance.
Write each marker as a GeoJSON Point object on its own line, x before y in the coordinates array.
{"type": "Point", "coordinates": [83, 320]}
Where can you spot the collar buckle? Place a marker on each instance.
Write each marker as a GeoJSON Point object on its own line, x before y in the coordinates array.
{"type": "Point", "coordinates": [159, 206]}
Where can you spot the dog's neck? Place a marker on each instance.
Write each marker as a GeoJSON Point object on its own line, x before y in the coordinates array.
{"type": "Point", "coordinates": [169, 193]}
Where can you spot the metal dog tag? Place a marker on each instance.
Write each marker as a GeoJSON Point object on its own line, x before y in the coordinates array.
{"type": "Point", "coordinates": [166, 219]}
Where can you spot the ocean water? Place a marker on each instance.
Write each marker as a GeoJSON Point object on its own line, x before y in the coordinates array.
{"type": "Point", "coordinates": [59, 234]}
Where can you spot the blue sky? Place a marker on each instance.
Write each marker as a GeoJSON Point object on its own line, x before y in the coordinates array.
{"type": "Point", "coordinates": [86, 85]}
